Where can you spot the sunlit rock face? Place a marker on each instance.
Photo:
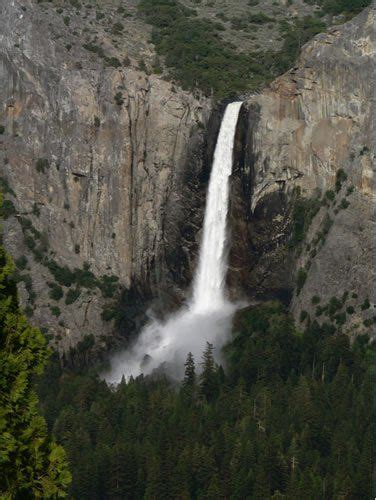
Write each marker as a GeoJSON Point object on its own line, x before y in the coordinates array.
{"type": "Point", "coordinates": [123, 156]}
{"type": "Point", "coordinates": [311, 122]}
{"type": "Point", "coordinates": [128, 157]}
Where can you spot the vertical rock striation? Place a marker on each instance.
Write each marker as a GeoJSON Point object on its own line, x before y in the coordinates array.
{"type": "Point", "coordinates": [312, 132]}
{"type": "Point", "coordinates": [95, 159]}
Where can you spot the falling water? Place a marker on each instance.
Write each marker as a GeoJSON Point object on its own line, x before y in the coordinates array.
{"type": "Point", "coordinates": [209, 287]}
{"type": "Point", "coordinates": [207, 316]}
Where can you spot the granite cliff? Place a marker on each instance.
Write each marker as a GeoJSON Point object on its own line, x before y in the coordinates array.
{"type": "Point", "coordinates": [104, 168]}
{"type": "Point", "coordinates": [303, 192]}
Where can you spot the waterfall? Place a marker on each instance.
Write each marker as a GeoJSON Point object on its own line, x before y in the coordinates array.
{"type": "Point", "coordinates": [207, 316]}
{"type": "Point", "coordinates": [208, 290]}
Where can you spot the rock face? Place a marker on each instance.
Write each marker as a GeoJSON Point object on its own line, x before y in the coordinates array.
{"type": "Point", "coordinates": [104, 169]}
{"type": "Point", "coordinates": [311, 132]}
{"type": "Point", "coordinates": [94, 159]}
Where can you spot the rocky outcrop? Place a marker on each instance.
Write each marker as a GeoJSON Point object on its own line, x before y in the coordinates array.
{"type": "Point", "coordinates": [308, 144]}
{"type": "Point", "coordinates": [104, 167]}
{"type": "Point", "coordinates": [92, 159]}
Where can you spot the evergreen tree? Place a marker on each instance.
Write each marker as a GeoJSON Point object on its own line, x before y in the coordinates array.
{"type": "Point", "coordinates": [31, 464]}
{"type": "Point", "coordinates": [208, 378]}
{"type": "Point", "coordinates": [189, 381]}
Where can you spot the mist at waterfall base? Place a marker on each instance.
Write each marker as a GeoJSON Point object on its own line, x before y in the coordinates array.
{"type": "Point", "coordinates": [207, 317]}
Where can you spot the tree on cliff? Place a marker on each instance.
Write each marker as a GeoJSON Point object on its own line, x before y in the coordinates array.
{"type": "Point", "coordinates": [31, 464]}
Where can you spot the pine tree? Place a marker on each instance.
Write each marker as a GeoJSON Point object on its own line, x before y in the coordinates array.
{"type": "Point", "coordinates": [189, 381]}
{"type": "Point", "coordinates": [208, 378]}
{"type": "Point", "coordinates": [31, 464]}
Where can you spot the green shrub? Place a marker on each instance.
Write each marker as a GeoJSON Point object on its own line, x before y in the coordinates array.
{"type": "Point", "coordinates": [300, 279]}
{"type": "Point", "coordinates": [315, 299]}
{"type": "Point", "coordinates": [303, 316]}
{"type": "Point", "coordinates": [91, 47]}
{"type": "Point", "coordinates": [5, 188]}
{"type": "Point", "coordinates": [108, 313]}
{"type": "Point", "coordinates": [2, 129]}
{"type": "Point", "coordinates": [72, 296]}
{"type": "Point", "coordinates": [36, 210]}
{"type": "Point", "coordinates": [117, 28]}
{"type": "Point", "coordinates": [334, 305]}
{"type": "Point", "coordinates": [66, 20]}
{"type": "Point", "coordinates": [350, 310]}
{"type": "Point", "coordinates": [259, 18]}
{"type": "Point", "coordinates": [118, 98]}
{"type": "Point", "coordinates": [77, 249]}
{"type": "Point", "coordinates": [86, 343]}
{"type": "Point", "coordinates": [29, 311]}
{"type": "Point", "coordinates": [21, 263]}
{"type": "Point", "coordinates": [341, 177]}
{"type": "Point", "coordinates": [344, 203]}
{"type": "Point", "coordinates": [29, 242]}
{"type": "Point", "coordinates": [62, 274]}
{"type": "Point", "coordinates": [7, 209]}
{"type": "Point", "coordinates": [304, 210]}
{"type": "Point", "coordinates": [56, 292]}
{"type": "Point", "coordinates": [366, 305]}
{"type": "Point", "coordinates": [330, 194]}
{"type": "Point", "coordinates": [97, 122]}
{"type": "Point", "coordinates": [55, 311]}
{"type": "Point", "coordinates": [41, 164]}
{"type": "Point", "coordinates": [108, 285]}
{"type": "Point", "coordinates": [113, 61]}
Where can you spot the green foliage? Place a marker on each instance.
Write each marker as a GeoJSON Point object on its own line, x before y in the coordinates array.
{"type": "Point", "coordinates": [31, 464]}
{"type": "Point", "coordinates": [117, 28]}
{"type": "Point", "coordinates": [341, 177]}
{"type": "Point", "coordinates": [36, 210]}
{"type": "Point", "coordinates": [289, 417]}
{"type": "Point", "coordinates": [301, 277]}
{"type": "Point", "coordinates": [56, 292]}
{"type": "Point", "coordinates": [195, 54]}
{"type": "Point", "coordinates": [86, 343]}
{"type": "Point", "coordinates": [72, 296]}
{"type": "Point", "coordinates": [97, 122]}
{"type": "Point", "coordinates": [343, 6]}
{"type": "Point", "coordinates": [295, 36]}
{"type": "Point", "coordinates": [304, 210]}
{"type": "Point", "coordinates": [118, 98]}
{"type": "Point", "coordinates": [62, 274]}
{"type": "Point", "coordinates": [108, 285]}
{"type": "Point", "coordinates": [21, 263]}
{"type": "Point", "coordinates": [259, 18]}
{"type": "Point", "coordinates": [92, 47]}
{"type": "Point", "coordinates": [315, 299]}
{"type": "Point", "coordinates": [41, 164]}
{"type": "Point", "coordinates": [7, 209]}
{"type": "Point", "coordinates": [344, 203]}
{"type": "Point", "coordinates": [55, 311]}
{"type": "Point", "coordinates": [2, 129]}
{"type": "Point", "coordinates": [330, 194]}
{"type": "Point", "coordinates": [5, 188]}
{"type": "Point", "coordinates": [113, 61]}
{"type": "Point", "coordinates": [366, 305]}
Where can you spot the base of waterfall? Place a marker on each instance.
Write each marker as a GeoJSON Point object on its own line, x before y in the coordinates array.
{"type": "Point", "coordinates": [163, 346]}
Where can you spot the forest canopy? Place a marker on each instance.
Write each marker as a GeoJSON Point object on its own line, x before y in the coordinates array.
{"type": "Point", "coordinates": [288, 416]}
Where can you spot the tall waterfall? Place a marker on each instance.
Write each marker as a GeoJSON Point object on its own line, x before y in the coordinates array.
{"type": "Point", "coordinates": [207, 316]}
{"type": "Point", "coordinates": [208, 290]}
